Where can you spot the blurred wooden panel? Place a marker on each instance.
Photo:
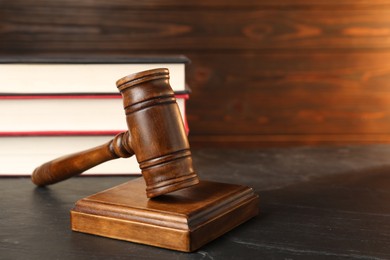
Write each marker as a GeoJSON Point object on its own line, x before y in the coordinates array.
{"type": "Point", "coordinates": [61, 29]}
{"type": "Point", "coordinates": [273, 140]}
{"type": "Point", "coordinates": [290, 94]}
{"type": "Point", "coordinates": [160, 4]}
{"type": "Point", "coordinates": [282, 71]}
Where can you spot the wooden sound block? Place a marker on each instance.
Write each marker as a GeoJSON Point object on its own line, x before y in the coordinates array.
{"type": "Point", "coordinates": [183, 220]}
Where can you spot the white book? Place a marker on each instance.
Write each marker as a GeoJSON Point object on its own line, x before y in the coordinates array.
{"type": "Point", "coordinates": [85, 75]}
{"type": "Point", "coordinates": [19, 156]}
{"type": "Point", "coordinates": [66, 114]}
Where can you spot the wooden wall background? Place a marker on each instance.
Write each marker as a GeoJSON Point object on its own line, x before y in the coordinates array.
{"type": "Point", "coordinates": [262, 72]}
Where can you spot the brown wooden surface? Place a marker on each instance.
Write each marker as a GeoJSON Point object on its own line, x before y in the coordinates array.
{"type": "Point", "coordinates": [291, 97]}
{"type": "Point", "coordinates": [183, 220]}
{"type": "Point", "coordinates": [262, 72]}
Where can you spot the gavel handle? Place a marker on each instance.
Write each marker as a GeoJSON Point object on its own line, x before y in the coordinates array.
{"type": "Point", "coordinates": [70, 165]}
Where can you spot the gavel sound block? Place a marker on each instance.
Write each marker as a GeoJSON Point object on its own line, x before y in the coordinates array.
{"type": "Point", "coordinates": [178, 211]}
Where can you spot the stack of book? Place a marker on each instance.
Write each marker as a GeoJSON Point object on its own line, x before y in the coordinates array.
{"type": "Point", "coordinates": [54, 107]}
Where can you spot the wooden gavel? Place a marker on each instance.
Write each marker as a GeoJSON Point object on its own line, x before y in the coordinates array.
{"type": "Point", "coordinates": [156, 136]}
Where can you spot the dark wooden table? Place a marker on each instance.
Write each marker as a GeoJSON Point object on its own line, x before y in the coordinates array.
{"type": "Point", "coordinates": [315, 203]}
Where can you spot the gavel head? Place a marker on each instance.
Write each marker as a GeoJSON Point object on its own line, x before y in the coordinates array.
{"type": "Point", "coordinates": [157, 134]}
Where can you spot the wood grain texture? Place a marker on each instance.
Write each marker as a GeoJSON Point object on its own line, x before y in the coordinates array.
{"type": "Point", "coordinates": [308, 71]}
{"type": "Point", "coordinates": [96, 29]}
{"type": "Point", "coordinates": [156, 131]}
{"type": "Point", "coordinates": [71, 165]}
{"type": "Point", "coordinates": [183, 220]}
{"type": "Point", "coordinates": [159, 4]}
{"type": "Point", "coordinates": [285, 94]}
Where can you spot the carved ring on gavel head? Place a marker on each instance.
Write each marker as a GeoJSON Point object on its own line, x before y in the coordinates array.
{"type": "Point", "coordinates": [158, 138]}
{"type": "Point", "coordinates": [155, 135]}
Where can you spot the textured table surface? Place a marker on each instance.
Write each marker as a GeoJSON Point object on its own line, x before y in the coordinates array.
{"type": "Point", "coordinates": [315, 203]}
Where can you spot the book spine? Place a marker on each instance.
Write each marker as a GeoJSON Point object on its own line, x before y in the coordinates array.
{"type": "Point", "coordinates": [43, 132]}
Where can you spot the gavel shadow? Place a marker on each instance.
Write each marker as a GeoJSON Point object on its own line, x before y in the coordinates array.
{"type": "Point", "coordinates": [50, 210]}
{"type": "Point", "coordinates": [55, 202]}
{"type": "Point", "coordinates": [46, 199]}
